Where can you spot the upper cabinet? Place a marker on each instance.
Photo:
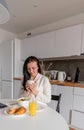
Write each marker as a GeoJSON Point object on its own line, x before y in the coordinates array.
{"type": "Point", "coordinates": [68, 41]}
{"type": "Point", "coordinates": [6, 60]}
{"type": "Point", "coordinates": [41, 46]}
{"type": "Point", "coordinates": [59, 43]}
{"type": "Point", "coordinates": [82, 45]}
{"type": "Point", "coordinates": [16, 58]}
{"type": "Point", "coordinates": [10, 59]}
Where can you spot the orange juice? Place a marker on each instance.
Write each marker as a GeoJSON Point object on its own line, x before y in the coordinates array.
{"type": "Point", "coordinates": [32, 108]}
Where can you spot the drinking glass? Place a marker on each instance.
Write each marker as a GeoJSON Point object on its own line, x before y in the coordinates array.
{"type": "Point", "coordinates": [32, 108]}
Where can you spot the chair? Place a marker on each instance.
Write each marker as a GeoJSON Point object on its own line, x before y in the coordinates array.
{"type": "Point", "coordinates": [57, 98]}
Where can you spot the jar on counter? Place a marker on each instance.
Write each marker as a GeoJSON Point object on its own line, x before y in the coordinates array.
{"type": "Point", "coordinates": [69, 78]}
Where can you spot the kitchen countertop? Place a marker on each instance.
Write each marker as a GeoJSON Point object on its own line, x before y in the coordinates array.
{"type": "Point", "coordinates": [65, 83]}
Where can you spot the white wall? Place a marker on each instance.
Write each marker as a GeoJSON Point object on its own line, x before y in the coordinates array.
{"type": "Point", "coordinates": [5, 35]}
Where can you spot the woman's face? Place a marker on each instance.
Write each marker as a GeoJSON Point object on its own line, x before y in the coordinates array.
{"type": "Point", "coordinates": [32, 68]}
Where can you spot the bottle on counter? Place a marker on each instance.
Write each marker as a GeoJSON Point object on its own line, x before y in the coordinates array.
{"type": "Point", "coordinates": [77, 75]}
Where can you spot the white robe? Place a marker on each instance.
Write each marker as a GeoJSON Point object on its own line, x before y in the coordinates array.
{"type": "Point", "coordinates": [43, 86]}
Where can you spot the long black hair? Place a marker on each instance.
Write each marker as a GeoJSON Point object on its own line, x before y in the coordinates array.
{"type": "Point", "coordinates": [26, 75]}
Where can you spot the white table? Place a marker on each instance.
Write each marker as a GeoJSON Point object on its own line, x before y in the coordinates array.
{"type": "Point", "coordinates": [48, 119]}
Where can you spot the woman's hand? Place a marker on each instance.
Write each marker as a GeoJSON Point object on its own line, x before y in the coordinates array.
{"type": "Point", "coordinates": [31, 88]}
{"type": "Point", "coordinates": [28, 91]}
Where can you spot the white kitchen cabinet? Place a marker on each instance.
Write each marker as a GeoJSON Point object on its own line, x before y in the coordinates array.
{"type": "Point", "coordinates": [68, 41]}
{"type": "Point", "coordinates": [59, 43]}
{"type": "Point", "coordinates": [82, 45]}
{"type": "Point", "coordinates": [6, 69]}
{"type": "Point", "coordinates": [10, 59]}
{"type": "Point", "coordinates": [66, 103]}
{"type": "Point", "coordinates": [6, 61]}
{"type": "Point", "coordinates": [53, 103]}
{"type": "Point", "coordinates": [27, 48]}
{"type": "Point", "coordinates": [17, 70]}
{"type": "Point", "coordinates": [9, 65]}
{"type": "Point", "coordinates": [16, 88]}
{"type": "Point", "coordinates": [77, 119]}
{"type": "Point", "coordinates": [78, 103]}
{"type": "Point", "coordinates": [7, 90]}
{"type": "Point", "coordinates": [41, 46]}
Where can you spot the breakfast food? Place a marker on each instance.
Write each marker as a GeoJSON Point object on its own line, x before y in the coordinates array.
{"type": "Point", "coordinates": [17, 111]}
{"type": "Point", "coordinates": [11, 110]}
{"type": "Point", "coordinates": [20, 110]}
{"type": "Point", "coordinates": [23, 99]}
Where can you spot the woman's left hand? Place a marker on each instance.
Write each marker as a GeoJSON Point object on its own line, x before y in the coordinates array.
{"type": "Point", "coordinates": [33, 88]}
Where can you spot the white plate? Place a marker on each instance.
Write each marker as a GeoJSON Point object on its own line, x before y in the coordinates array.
{"type": "Point", "coordinates": [13, 115]}
{"type": "Point", "coordinates": [41, 106]}
{"type": "Point", "coordinates": [23, 99]}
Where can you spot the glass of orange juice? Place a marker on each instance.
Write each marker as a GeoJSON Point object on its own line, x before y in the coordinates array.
{"type": "Point", "coordinates": [32, 108]}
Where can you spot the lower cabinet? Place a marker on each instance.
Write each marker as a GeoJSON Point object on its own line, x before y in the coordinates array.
{"type": "Point", "coordinates": [16, 89]}
{"type": "Point", "coordinates": [66, 103]}
{"type": "Point", "coordinates": [71, 105]}
{"type": "Point", "coordinates": [77, 119]}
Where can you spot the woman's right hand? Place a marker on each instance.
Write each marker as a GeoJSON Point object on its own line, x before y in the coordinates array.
{"type": "Point", "coordinates": [28, 91]}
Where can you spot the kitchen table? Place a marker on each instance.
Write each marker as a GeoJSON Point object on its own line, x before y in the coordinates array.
{"type": "Point", "coordinates": [47, 119]}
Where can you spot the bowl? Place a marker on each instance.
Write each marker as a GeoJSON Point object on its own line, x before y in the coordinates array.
{"type": "Point", "coordinates": [23, 102]}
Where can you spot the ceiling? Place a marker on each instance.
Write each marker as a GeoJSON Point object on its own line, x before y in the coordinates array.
{"type": "Point", "coordinates": [30, 14]}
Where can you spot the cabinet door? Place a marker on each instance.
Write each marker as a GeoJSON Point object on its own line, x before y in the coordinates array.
{"type": "Point", "coordinates": [27, 48]}
{"type": "Point", "coordinates": [53, 104]}
{"type": "Point", "coordinates": [6, 62]}
{"type": "Point", "coordinates": [82, 45]}
{"type": "Point", "coordinates": [16, 89]}
{"type": "Point", "coordinates": [77, 120]}
{"type": "Point", "coordinates": [68, 41]}
{"type": "Point", "coordinates": [41, 46]}
{"type": "Point", "coordinates": [78, 103]}
{"type": "Point", "coordinates": [6, 90]}
{"type": "Point", "coordinates": [10, 59]}
{"type": "Point", "coordinates": [16, 58]}
{"type": "Point", "coordinates": [66, 100]}
{"type": "Point", "coordinates": [45, 45]}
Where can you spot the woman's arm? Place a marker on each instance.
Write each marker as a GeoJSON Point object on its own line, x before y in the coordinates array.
{"type": "Point", "coordinates": [23, 93]}
{"type": "Point", "coordinates": [45, 95]}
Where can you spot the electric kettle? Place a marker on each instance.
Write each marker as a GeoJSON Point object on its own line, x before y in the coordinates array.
{"type": "Point", "coordinates": [61, 76]}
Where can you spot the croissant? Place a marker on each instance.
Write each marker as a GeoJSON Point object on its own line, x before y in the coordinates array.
{"type": "Point", "coordinates": [20, 110]}
{"type": "Point", "coordinates": [17, 111]}
{"type": "Point", "coordinates": [11, 110]}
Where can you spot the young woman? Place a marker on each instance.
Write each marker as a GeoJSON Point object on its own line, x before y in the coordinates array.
{"type": "Point", "coordinates": [40, 87]}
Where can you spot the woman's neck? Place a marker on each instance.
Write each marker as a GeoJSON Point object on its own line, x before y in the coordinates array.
{"type": "Point", "coordinates": [33, 77]}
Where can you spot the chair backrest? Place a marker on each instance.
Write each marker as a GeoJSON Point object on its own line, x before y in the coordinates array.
{"type": "Point", "coordinates": [57, 98]}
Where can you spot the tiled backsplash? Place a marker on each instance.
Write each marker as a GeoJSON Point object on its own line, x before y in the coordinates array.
{"type": "Point", "coordinates": [69, 66]}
